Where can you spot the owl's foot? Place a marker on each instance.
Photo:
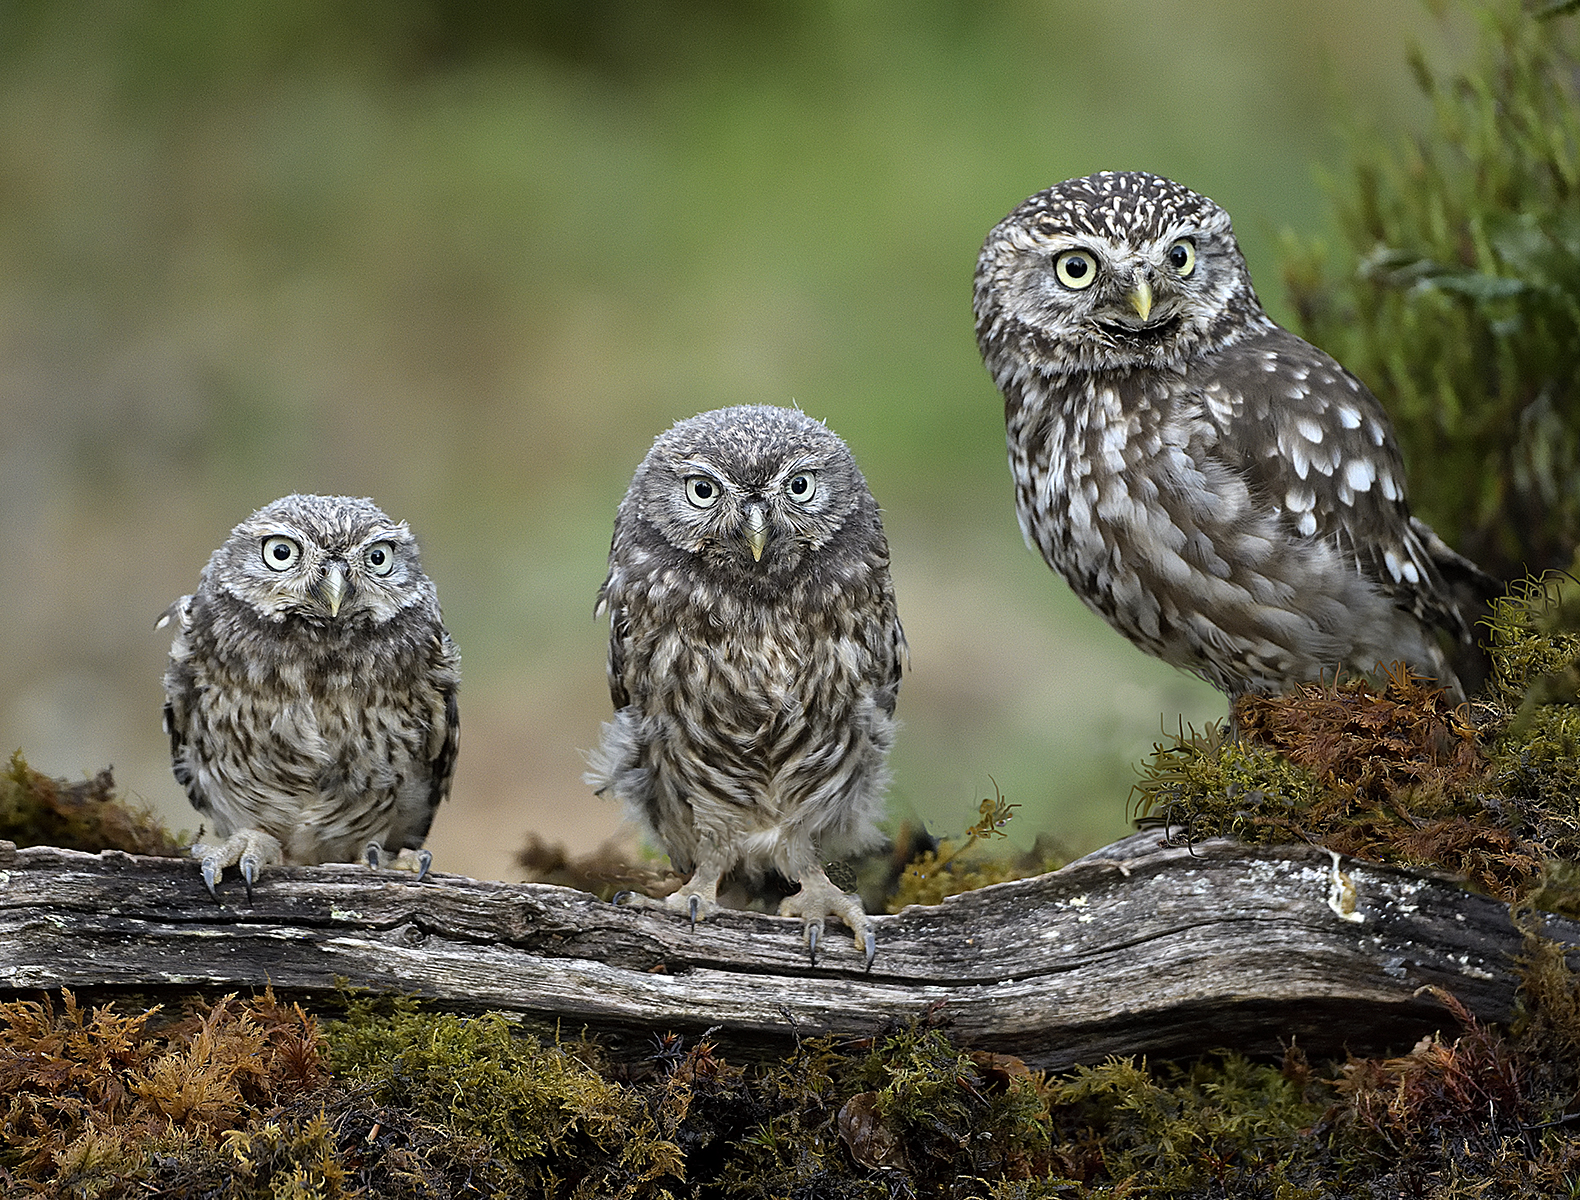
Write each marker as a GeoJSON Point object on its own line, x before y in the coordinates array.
{"type": "Point", "coordinates": [698, 897]}
{"type": "Point", "coordinates": [249, 849]}
{"type": "Point", "coordinates": [416, 861]}
{"type": "Point", "coordinates": [818, 900]}
{"type": "Point", "coordinates": [692, 904]}
{"type": "Point", "coordinates": [696, 903]}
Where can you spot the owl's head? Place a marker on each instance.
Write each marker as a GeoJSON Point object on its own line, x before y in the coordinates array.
{"type": "Point", "coordinates": [1114, 271]}
{"type": "Point", "coordinates": [322, 558]}
{"type": "Point", "coordinates": [748, 489]}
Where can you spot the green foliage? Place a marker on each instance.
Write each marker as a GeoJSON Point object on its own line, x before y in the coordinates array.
{"type": "Point", "coordinates": [960, 865]}
{"type": "Point", "coordinates": [1456, 294]}
{"type": "Point", "coordinates": [37, 810]}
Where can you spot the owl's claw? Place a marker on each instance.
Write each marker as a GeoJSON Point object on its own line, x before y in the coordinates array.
{"type": "Point", "coordinates": [818, 900]}
{"type": "Point", "coordinates": [622, 897]}
{"type": "Point", "coordinates": [249, 871]}
{"type": "Point", "coordinates": [416, 861]}
{"type": "Point", "coordinates": [692, 906]}
{"type": "Point", "coordinates": [250, 849]}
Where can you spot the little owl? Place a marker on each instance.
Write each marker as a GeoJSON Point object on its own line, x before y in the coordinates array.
{"type": "Point", "coordinates": [754, 659]}
{"type": "Point", "coordinates": [311, 692]}
{"type": "Point", "coordinates": [1223, 493]}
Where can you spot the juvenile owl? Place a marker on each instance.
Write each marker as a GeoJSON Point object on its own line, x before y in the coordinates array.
{"type": "Point", "coordinates": [311, 694]}
{"type": "Point", "coordinates": [754, 659]}
{"type": "Point", "coordinates": [1226, 495]}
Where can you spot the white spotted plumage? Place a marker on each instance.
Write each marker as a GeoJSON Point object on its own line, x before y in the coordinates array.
{"type": "Point", "coordinates": [1223, 493]}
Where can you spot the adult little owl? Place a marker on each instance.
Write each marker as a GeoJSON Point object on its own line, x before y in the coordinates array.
{"type": "Point", "coordinates": [311, 692]}
{"type": "Point", "coordinates": [754, 659]}
{"type": "Point", "coordinates": [1226, 495]}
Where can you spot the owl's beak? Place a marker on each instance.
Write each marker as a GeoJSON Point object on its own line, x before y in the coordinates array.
{"type": "Point", "coordinates": [332, 588]}
{"type": "Point", "coordinates": [1140, 297]}
{"type": "Point", "coordinates": [756, 530]}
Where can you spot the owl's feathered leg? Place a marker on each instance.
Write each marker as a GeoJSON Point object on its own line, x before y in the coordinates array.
{"type": "Point", "coordinates": [818, 900]}
{"type": "Point", "coordinates": [416, 861]}
{"type": "Point", "coordinates": [250, 849]}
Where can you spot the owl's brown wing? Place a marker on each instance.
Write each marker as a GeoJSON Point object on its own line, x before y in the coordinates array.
{"type": "Point", "coordinates": [610, 601]}
{"type": "Point", "coordinates": [180, 690]}
{"type": "Point", "coordinates": [448, 728]}
{"type": "Point", "coordinates": [1316, 444]}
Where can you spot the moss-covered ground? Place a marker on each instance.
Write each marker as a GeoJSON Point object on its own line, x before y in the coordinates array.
{"type": "Point", "coordinates": [254, 1098]}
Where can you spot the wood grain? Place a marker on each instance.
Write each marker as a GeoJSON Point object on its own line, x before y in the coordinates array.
{"type": "Point", "coordinates": [1141, 948]}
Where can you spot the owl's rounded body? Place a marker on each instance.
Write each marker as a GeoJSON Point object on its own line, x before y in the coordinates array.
{"type": "Point", "coordinates": [754, 658]}
{"type": "Point", "coordinates": [311, 691]}
{"type": "Point", "coordinates": [1223, 493]}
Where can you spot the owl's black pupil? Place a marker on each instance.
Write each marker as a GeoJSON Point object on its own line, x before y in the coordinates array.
{"type": "Point", "coordinates": [703, 489]}
{"type": "Point", "coordinates": [282, 553]}
{"type": "Point", "coordinates": [1179, 256]}
{"type": "Point", "coordinates": [798, 484]}
{"type": "Point", "coordinates": [1075, 266]}
{"type": "Point", "coordinates": [377, 558]}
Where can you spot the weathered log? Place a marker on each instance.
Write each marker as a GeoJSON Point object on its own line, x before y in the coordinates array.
{"type": "Point", "coordinates": [1138, 949]}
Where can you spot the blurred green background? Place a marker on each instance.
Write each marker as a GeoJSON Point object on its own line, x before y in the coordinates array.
{"type": "Point", "coordinates": [469, 259]}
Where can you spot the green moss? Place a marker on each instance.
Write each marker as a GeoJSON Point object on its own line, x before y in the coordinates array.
{"type": "Point", "coordinates": [36, 810]}
{"type": "Point", "coordinates": [851, 1119]}
{"type": "Point", "coordinates": [1211, 785]}
{"type": "Point", "coordinates": [1187, 1128]}
{"type": "Point", "coordinates": [524, 1118]}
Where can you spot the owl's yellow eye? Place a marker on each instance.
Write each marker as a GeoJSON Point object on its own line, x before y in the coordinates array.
{"type": "Point", "coordinates": [280, 553]}
{"type": "Point", "coordinates": [1182, 256]}
{"type": "Point", "coordinates": [1076, 269]}
{"type": "Point", "coordinates": [380, 558]}
{"type": "Point", "coordinates": [802, 486]}
{"type": "Point", "coordinates": [702, 491]}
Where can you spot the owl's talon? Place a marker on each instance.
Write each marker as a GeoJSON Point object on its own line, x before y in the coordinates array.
{"type": "Point", "coordinates": [211, 875]}
{"type": "Point", "coordinates": [870, 944]}
{"type": "Point", "coordinates": [424, 861]}
{"type": "Point", "coordinates": [693, 906]}
{"type": "Point", "coordinates": [249, 872]}
{"type": "Point", "coordinates": [371, 853]}
{"type": "Point", "coordinates": [814, 931]}
{"type": "Point", "coordinates": [622, 897]}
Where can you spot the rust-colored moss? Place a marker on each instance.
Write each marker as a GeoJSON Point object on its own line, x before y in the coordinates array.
{"type": "Point", "coordinates": [37, 810]}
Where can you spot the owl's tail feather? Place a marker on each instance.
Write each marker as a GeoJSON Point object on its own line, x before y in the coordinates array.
{"type": "Point", "coordinates": [1467, 604]}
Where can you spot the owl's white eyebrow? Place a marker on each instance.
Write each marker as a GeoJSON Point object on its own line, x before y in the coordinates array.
{"type": "Point", "coordinates": [798, 464]}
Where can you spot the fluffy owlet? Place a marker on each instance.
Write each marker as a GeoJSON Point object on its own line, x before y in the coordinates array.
{"type": "Point", "coordinates": [1226, 495]}
{"type": "Point", "coordinates": [311, 694]}
{"type": "Point", "coordinates": [754, 659]}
